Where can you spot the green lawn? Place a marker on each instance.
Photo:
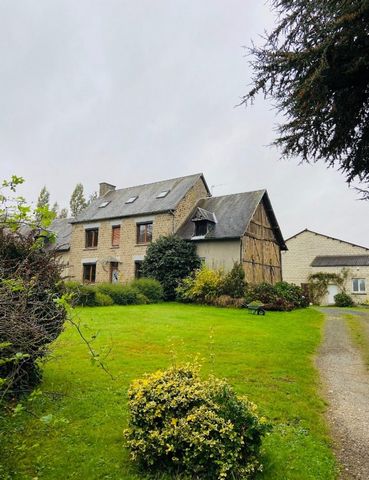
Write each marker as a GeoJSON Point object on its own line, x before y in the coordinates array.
{"type": "Point", "coordinates": [74, 430]}
{"type": "Point", "coordinates": [359, 334]}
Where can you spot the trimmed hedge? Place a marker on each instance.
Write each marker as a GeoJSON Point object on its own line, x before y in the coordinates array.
{"type": "Point", "coordinates": [138, 292]}
{"type": "Point", "coordinates": [151, 288]}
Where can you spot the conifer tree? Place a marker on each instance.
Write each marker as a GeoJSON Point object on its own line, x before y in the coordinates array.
{"type": "Point", "coordinates": [77, 200]}
{"type": "Point", "coordinates": [314, 66]}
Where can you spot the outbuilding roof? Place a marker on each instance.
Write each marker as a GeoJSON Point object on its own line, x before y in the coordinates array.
{"type": "Point", "coordinates": [233, 214]}
{"type": "Point", "coordinates": [62, 229]}
{"type": "Point", "coordinates": [145, 199]}
{"type": "Point", "coordinates": [341, 261]}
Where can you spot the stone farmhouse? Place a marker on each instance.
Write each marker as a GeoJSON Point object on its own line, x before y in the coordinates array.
{"type": "Point", "coordinates": [310, 252]}
{"type": "Point", "coordinates": [107, 242]}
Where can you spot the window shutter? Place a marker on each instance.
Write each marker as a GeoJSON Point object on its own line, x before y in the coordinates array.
{"type": "Point", "coordinates": [115, 236]}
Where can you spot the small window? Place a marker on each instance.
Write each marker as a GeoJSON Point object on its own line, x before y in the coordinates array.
{"type": "Point", "coordinates": [163, 194]}
{"type": "Point", "coordinates": [358, 285]}
{"type": "Point", "coordinates": [91, 237]}
{"type": "Point", "coordinates": [201, 228]}
{"type": "Point", "coordinates": [104, 204]}
{"type": "Point", "coordinates": [144, 232]}
{"type": "Point", "coordinates": [138, 269]}
{"type": "Point", "coordinates": [132, 199]}
{"type": "Point", "coordinates": [115, 236]}
{"type": "Point", "coordinates": [89, 273]}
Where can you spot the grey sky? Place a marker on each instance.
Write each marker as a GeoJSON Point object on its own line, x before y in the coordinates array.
{"type": "Point", "coordinates": [135, 91]}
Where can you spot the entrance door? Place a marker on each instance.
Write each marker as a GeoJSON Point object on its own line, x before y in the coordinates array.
{"type": "Point", "coordinates": [114, 272]}
{"type": "Point", "coordinates": [332, 291]}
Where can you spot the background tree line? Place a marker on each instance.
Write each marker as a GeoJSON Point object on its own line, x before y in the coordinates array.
{"type": "Point", "coordinates": [77, 202]}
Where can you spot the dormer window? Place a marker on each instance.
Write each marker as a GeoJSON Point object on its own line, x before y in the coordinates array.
{"type": "Point", "coordinates": [204, 221]}
{"type": "Point", "coordinates": [201, 228]}
{"type": "Point", "coordinates": [162, 194]}
{"type": "Point", "coordinates": [132, 199]}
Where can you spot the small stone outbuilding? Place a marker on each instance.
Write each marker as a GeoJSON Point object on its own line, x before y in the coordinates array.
{"type": "Point", "coordinates": [311, 252]}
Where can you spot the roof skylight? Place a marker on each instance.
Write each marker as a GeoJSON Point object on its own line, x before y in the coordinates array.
{"type": "Point", "coordinates": [132, 199]}
{"type": "Point", "coordinates": [103, 204]}
{"type": "Point", "coordinates": [162, 194]}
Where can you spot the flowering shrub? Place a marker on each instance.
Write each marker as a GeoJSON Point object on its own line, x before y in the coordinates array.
{"type": "Point", "coordinates": [181, 424]}
{"type": "Point", "coordinates": [203, 287]}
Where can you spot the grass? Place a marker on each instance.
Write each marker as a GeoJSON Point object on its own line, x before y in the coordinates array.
{"type": "Point", "coordinates": [74, 430]}
{"type": "Point", "coordinates": [359, 335]}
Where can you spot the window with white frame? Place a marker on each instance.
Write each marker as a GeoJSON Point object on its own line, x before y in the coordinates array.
{"type": "Point", "coordinates": [358, 285]}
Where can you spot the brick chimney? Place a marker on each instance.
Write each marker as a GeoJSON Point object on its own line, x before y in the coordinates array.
{"type": "Point", "coordinates": [105, 188]}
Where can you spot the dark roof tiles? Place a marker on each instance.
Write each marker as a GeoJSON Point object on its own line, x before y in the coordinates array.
{"type": "Point", "coordinates": [341, 261]}
{"type": "Point", "coordinates": [233, 214]}
{"type": "Point", "coordinates": [147, 201]}
{"type": "Point", "coordinates": [62, 229]}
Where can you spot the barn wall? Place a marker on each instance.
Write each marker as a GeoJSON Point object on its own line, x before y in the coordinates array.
{"type": "Point", "coordinates": [261, 255]}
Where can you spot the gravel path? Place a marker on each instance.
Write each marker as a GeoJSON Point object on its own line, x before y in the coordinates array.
{"type": "Point", "coordinates": [346, 382]}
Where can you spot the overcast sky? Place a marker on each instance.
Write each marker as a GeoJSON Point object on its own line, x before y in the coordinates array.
{"type": "Point", "coordinates": [131, 92]}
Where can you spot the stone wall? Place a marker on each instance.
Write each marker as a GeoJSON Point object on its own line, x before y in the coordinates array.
{"type": "Point", "coordinates": [128, 251]}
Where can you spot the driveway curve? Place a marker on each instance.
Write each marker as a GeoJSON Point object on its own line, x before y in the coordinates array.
{"type": "Point", "coordinates": [346, 384]}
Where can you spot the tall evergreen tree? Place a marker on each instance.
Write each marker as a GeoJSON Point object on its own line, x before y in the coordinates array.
{"type": "Point", "coordinates": [315, 67]}
{"type": "Point", "coordinates": [63, 213]}
{"type": "Point", "coordinates": [43, 202]}
{"type": "Point", "coordinates": [55, 208]}
{"type": "Point", "coordinates": [77, 200]}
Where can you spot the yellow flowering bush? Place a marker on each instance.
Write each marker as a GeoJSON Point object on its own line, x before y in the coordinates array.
{"type": "Point", "coordinates": [203, 287]}
{"type": "Point", "coordinates": [182, 424]}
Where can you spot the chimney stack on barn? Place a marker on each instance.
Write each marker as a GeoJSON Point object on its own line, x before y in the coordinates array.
{"type": "Point", "coordinates": [105, 188]}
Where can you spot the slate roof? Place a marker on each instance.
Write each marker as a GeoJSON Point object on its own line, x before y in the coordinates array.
{"type": "Point", "coordinates": [62, 229]}
{"type": "Point", "coordinates": [146, 202]}
{"type": "Point", "coordinates": [341, 261]}
{"type": "Point", "coordinates": [233, 214]}
{"type": "Point", "coordinates": [202, 214]}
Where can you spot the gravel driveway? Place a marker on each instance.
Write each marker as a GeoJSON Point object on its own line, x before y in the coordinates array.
{"type": "Point", "coordinates": [346, 383]}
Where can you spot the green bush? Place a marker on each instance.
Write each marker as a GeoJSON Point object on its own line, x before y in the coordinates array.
{"type": "Point", "coordinates": [103, 300]}
{"type": "Point", "coordinates": [181, 424]}
{"type": "Point", "coordinates": [234, 282]}
{"type": "Point", "coordinates": [121, 294]}
{"type": "Point", "coordinates": [151, 288]}
{"type": "Point", "coordinates": [169, 260]}
{"type": "Point", "coordinates": [343, 300]}
{"type": "Point", "coordinates": [292, 293]}
{"type": "Point", "coordinates": [270, 296]}
{"type": "Point", "coordinates": [204, 287]}
{"type": "Point", "coordinates": [83, 295]}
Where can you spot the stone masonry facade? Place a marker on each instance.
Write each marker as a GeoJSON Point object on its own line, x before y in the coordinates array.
{"type": "Point", "coordinates": [128, 252]}
{"type": "Point", "coordinates": [304, 247]}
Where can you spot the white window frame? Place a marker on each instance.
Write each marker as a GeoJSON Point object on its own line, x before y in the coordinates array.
{"type": "Point", "coordinates": [358, 285]}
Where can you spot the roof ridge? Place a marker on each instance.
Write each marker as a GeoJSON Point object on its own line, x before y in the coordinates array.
{"type": "Point", "coordinates": [159, 181]}
{"type": "Point", "coordinates": [240, 193]}
{"type": "Point", "coordinates": [327, 236]}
